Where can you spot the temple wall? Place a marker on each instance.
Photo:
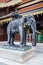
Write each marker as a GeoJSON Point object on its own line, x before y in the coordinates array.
{"type": "Point", "coordinates": [24, 7]}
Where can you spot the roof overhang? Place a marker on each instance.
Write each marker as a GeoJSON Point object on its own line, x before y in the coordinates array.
{"type": "Point", "coordinates": [34, 12]}
{"type": "Point", "coordinates": [29, 3]}
{"type": "Point", "coordinates": [6, 20]}
{"type": "Point", "coordinates": [10, 3]}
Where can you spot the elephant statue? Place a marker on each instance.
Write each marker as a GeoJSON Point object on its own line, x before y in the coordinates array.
{"type": "Point", "coordinates": [17, 26]}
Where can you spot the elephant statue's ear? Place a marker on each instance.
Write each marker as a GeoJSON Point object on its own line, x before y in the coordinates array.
{"type": "Point", "coordinates": [30, 16]}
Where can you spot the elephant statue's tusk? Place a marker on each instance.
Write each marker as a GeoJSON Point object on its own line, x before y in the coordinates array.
{"type": "Point", "coordinates": [38, 32]}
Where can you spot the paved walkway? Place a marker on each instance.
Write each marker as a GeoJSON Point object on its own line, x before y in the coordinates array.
{"type": "Point", "coordinates": [36, 60]}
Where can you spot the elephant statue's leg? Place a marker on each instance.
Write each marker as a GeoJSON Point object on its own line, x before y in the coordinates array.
{"type": "Point", "coordinates": [21, 35]}
{"type": "Point", "coordinates": [9, 38]}
{"type": "Point", "coordinates": [12, 39]}
{"type": "Point", "coordinates": [34, 35]}
{"type": "Point", "coordinates": [24, 36]}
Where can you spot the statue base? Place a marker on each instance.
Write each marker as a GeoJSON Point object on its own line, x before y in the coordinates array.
{"type": "Point", "coordinates": [13, 54]}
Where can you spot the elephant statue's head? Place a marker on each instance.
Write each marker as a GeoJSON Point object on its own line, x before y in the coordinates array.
{"type": "Point", "coordinates": [29, 20]}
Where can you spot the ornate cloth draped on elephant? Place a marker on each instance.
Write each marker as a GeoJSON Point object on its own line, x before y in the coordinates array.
{"type": "Point", "coordinates": [17, 26]}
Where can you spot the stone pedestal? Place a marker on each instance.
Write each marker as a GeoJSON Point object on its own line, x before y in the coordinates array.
{"type": "Point", "coordinates": [19, 56]}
